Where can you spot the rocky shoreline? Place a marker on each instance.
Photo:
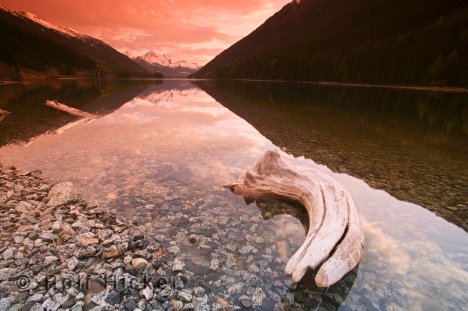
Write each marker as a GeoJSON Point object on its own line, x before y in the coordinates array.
{"type": "Point", "coordinates": [60, 253]}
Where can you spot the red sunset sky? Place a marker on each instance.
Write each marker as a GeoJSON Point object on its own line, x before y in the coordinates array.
{"type": "Point", "coordinates": [194, 30]}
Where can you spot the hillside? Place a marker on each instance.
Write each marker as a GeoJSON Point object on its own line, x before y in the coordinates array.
{"type": "Point", "coordinates": [31, 46]}
{"type": "Point", "coordinates": [359, 41]}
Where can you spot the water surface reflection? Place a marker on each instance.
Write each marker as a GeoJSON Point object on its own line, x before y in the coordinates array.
{"type": "Point", "coordinates": [412, 144]}
{"type": "Point", "coordinates": [162, 158]}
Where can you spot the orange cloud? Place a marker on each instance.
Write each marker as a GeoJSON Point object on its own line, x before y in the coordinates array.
{"type": "Point", "coordinates": [166, 26]}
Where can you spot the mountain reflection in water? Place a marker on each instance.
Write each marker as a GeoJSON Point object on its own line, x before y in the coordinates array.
{"type": "Point", "coordinates": [161, 153]}
{"type": "Point", "coordinates": [412, 144]}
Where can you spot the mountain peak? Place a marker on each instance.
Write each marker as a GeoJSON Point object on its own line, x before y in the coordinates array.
{"type": "Point", "coordinates": [34, 18]}
{"type": "Point", "coordinates": [168, 66]}
{"type": "Point", "coordinates": [165, 60]}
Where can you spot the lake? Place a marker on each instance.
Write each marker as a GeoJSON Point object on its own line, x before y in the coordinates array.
{"type": "Point", "coordinates": [159, 153]}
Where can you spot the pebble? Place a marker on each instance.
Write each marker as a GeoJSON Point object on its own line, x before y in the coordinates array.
{"type": "Point", "coordinates": [9, 253]}
{"type": "Point", "coordinates": [147, 292]}
{"type": "Point", "coordinates": [127, 260]}
{"type": "Point", "coordinates": [214, 264]}
{"type": "Point", "coordinates": [165, 293]}
{"type": "Point", "coordinates": [236, 288]}
{"type": "Point", "coordinates": [258, 296]}
{"type": "Point", "coordinates": [130, 304]}
{"type": "Point", "coordinates": [87, 239]}
{"type": "Point", "coordinates": [245, 301]}
{"type": "Point", "coordinates": [111, 252]}
{"type": "Point", "coordinates": [139, 263]}
{"type": "Point", "coordinates": [36, 297]}
{"type": "Point", "coordinates": [188, 306]}
{"type": "Point", "coordinates": [177, 265]}
{"type": "Point", "coordinates": [199, 291]}
{"type": "Point", "coordinates": [49, 260]}
{"type": "Point", "coordinates": [185, 295]}
{"type": "Point", "coordinates": [5, 304]}
{"type": "Point", "coordinates": [177, 305]}
{"type": "Point", "coordinates": [50, 305]}
{"type": "Point", "coordinates": [60, 194]}
{"type": "Point", "coordinates": [72, 263]}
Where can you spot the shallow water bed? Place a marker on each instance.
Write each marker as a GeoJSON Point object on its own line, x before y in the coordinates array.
{"type": "Point", "coordinates": [161, 159]}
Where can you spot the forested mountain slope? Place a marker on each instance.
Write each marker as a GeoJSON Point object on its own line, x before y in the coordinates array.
{"type": "Point", "coordinates": [359, 41]}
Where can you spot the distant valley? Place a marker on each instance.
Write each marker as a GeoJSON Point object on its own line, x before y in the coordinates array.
{"type": "Point", "coordinates": [32, 48]}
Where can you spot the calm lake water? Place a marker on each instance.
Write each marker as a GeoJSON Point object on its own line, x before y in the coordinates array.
{"type": "Point", "coordinates": [159, 153]}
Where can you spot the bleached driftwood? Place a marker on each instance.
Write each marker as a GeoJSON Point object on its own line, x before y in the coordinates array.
{"type": "Point", "coordinates": [332, 216]}
{"type": "Point", "coordinates": [70, 110]}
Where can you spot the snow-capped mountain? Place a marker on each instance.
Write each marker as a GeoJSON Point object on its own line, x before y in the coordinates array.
{"type": "Point", "coordinates": [64, 30]}
{"type": "Point", "coordinates": [166, 60]}
{"type": "Point", "coordinates": [165, 64]}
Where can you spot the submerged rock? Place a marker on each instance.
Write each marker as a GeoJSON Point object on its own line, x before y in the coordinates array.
{"type": "Point", "coordinates": [258, 296]}
{"type": "Point", "coordinates": [177, 265]}
{"type": "Point", "coordinates": [245, 302]}
{"type": "Point", "coordinates": [62, 193]}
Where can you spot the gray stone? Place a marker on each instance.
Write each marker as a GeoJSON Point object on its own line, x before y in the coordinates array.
{"type": "Point", "coordinates": [18, 239]}
{"type": "Point", "coordinates": [21, 307]}
{"type": "Point", "coordinates": [258, 296]}
{"type": "Point", "coordinates": [62, 193]}
{"type": "Point", "coordinates": [279, 307]}
{"type": "Point", "coordinates": [130, 304]}
{"type": "Point", "coordinates": [78, 306]}
{"type": "Point", "coordinates": [5, 304]}
{"type": "Point", "coordinates": [72, 263]}
{"type": "Point", "coordinates": [236, 288]}
{"type": "Point", "coordinates": [214, 264]}
{"type": "Point", "coordinates": [36, 307]}
{"type": "Point", "coordinates": [61, 298]}
{"type": "Point", "coordinates": [47, 237]}
{"type": "Point", "coordinates": [50, 305]}
{"type": "Point", "coordinates": [185, 295]}
{"type": "Point", "coordinates": [198, 291]}
{"type": "Point", "coordinates": [245, 301]}
{"type": "Point", "coordinates": [114, 298]}
{"type": "Point", "coordinates": [9, 253]}
{"type": "Point", "coordinates": [189, 306]}
{"type": "Point", "coordinates": [99, 298]}
{"type": "Point", "coordinates": [6, 273]}
{"type": "Point", "coordinates": [165, 293]}
{"type": "Point", "coordinates": [56, 227]}
{"type": "Point", "coordinates": [37, 297]}
{"type": "Point", "coordinates": [147, 292]}
{"type": "Point", "coordinates": [68, 304]}
{"type": "Point", "coordinates": [49, 260]}
{"type": "Point", "coordinates": [177, 265]}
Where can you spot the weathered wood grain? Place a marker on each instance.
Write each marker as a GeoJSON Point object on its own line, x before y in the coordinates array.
{"type": "Point", "coordinates": [332, 216]}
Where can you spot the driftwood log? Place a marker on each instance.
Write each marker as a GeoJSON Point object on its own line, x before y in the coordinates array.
{"type": "Point", "coordinates": [70, 110]}
{"type": "Point", "coordinates": [335, 237]}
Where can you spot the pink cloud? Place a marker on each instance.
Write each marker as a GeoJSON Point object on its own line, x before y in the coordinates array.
{"type": "Point", "coordinates": [160, 25]}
